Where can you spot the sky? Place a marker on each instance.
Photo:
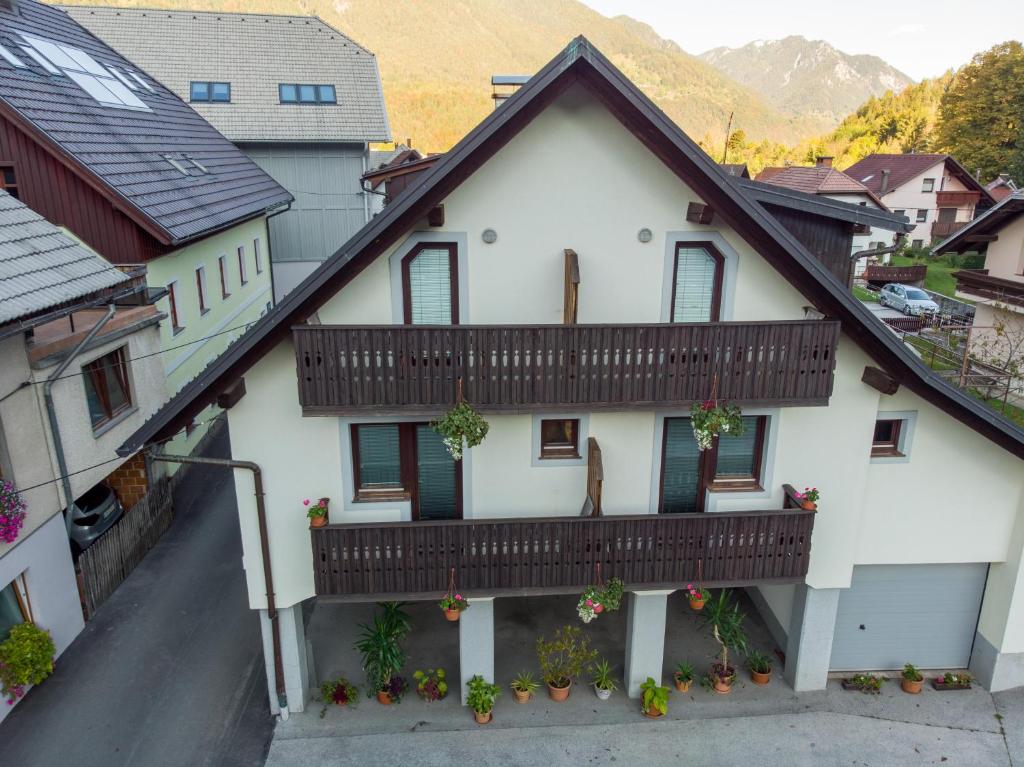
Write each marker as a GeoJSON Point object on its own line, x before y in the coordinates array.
{"type": "Point", "coordinates": [921, 39]}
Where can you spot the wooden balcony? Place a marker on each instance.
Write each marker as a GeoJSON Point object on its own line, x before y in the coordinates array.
{"type": "Point", "coordinates": [396, 369]}
{"type": "Point", "coordinates": [943, 229]}
{"type": "Point", "coordinates": [550, 555]}
{"type": "Point", "coordinates": [882, 274]}
{"type": "Point", "coordinates": [977, 282]}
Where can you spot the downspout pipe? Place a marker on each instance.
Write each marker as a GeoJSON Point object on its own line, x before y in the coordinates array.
{"type": "Point", "coordinates": [51, 413]}
{"type": "Point", "coordinates": [268, 577]}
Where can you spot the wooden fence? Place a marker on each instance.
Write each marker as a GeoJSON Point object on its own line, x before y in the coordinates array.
{"type": "Point", "coordinates": [400, 369]}
{"type": "Point", "coordinates": [560, 554]}
{"type": "Point", "coordinates": [104, 565]}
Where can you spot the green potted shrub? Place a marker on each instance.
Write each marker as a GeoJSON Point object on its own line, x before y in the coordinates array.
{"type": "Point", "coordinates": [683, 676]}
{"type": "Point", "coordinates": [868, 683]}
{"type": "Point", "coordinates": [654, 699]}
{"type": "Point", "coordinates": [604, 683]}
{"type": "Point", "coordinates": [431, 684]}
{"type": "Point", "coordinates": [481, 698]}
{"type": "Point", "coordinates": [383, 656]}
{"type": "Point", "coordinates": [760, 666]}
{"type": "Point", "coordinates": [711, 418]}
{"type": "Point", "coordinates": [317, 512]}
{"type": "Point", "coordinates": [911, 680]}
{"type": "Point", "coordinates": [562, 659]}
{"type": "Point", "coordinates": [722, 615]}
{"type": "Point", "coordinates": [461, 427]}
{"type": "Point", "coordinates": [951, 681]}
{"type": "Point", "coordinates": [524, 686]}
{"type": "Point", "coordinates": [26, 658]}
{"type": "Point", "coordinates": [338, 692]}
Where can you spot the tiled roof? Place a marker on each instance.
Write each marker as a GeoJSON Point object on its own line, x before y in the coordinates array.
{"type": "Point", "coordinates": [41, 266]}
{"type": "Point", "coordinates": [126, 149]}
{"type": "Point", "coordinates": [902, 168]}
{"type": "Point", "coordinates": [813, 180]}
{"type": "Point", "coordinates": [255, 53]}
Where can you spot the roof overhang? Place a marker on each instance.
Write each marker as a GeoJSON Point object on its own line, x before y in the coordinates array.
{"type": "Point", "coordinates": [990, 222]}
{"type": "Point", "coordinates": [818, 205]}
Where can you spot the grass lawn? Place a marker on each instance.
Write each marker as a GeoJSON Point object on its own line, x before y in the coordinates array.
{"type": "Point", "coordinates": [863, 294]}
{"type": "Point", "coordinates": [939, 277]}
{"type": "Point", "coordinates": [1012, 412]}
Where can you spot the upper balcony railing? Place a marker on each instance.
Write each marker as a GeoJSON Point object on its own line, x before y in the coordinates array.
{"type": "Point", "coordinates": [943, 229]}
{"type": "Point", "coordinates": [977, 282]}
{"type": "Point", "coordinates": [902, 274]}
{"type": "Point", "coordinates": [395, 369]}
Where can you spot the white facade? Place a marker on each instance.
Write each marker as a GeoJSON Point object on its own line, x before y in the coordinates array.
{"type": "Point", "coordinates": [540, 199]}
{"type": "Point", "coordinates": [917, 200]}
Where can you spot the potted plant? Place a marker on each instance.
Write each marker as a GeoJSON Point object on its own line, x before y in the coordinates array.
{"type": "Point", "coordinates": [697, 595]}
{"type": "Point", "coordinates": [317, 512]}
{"type": "Point", "coordinates": [431, 684]}
{"type": "Point", "coordinates": [481, 698]}
{"type": "Point", "coordinates": [950, 681]}
{"type": "Point", "coordinates": [383, 658]}
{"type": "Point", "coordinates": [911, 680]}
{"type": "Point", "coordinates": [339, 692]}
{"type": "Point", "coordinates": [868, 683]}
{"type": "Point", "coordinates": [12, 512]}
{"type": "Point", "coordinates": [26, 658]}
{"type": "Point", "coordinates": [760, 666]}
{"type": "Point", "coordinates": [597, 599]}
{"type": "Point", "coordinates": [462, 426]}
{"type": "Point", "coordinates": [524, 686]}
{"type": "Point", "coordinates": [562, 659]}
{"type": "Point", "coordinates": [809, 498]}
{"type": "Point", "coordinates": [603, 681]}
{"type": "Point", "coordinates": [722, 615]}
{"type": "Point", "coordinates": [453, 605]}
{"type": "Point", "coordinates": [683, 676]}
{"type": "Point", "coordinates": [711, 418]}
{"type": "Point", "coordinates": [654, 699]}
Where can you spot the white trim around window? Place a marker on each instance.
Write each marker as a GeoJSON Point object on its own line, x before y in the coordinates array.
{"type": "Point", "coordinates": [583, 432]}
{"type": "Point", "coordinates": [905, 442]}
{"type": "Point", "coordinates": [729, 254]}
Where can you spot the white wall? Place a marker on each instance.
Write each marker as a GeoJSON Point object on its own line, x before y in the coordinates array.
{"type": "Point", "coordinates": [910, 198]}
{"type": "Point", "coordinates": [1004, 258]}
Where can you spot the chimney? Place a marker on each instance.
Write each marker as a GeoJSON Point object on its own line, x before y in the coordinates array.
{"type": "Point", "coordinates": [823, 161]}
{"type": "Point", "coordinates": [502, 86]}
{"type": "Point", "coordinates": [885, 182]}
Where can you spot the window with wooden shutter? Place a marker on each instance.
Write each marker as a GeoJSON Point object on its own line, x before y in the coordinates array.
{"type": "Point", "coordinates": [737, 459]}
{"type": "Point", "coordinates": [377, 460]}
{"type": "Point", "coordinates": [697, 283]}
{"type": "Point", "coordinates": [430, 285]}
{"type": "Point", "coordinates": [107, 391]}
{"type": "Point", "coordinates": [681, 468]}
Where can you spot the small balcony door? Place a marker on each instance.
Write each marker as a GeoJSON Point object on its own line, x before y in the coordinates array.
{"type": "Point", "coordinates": [682, 469]}
{"type": "Point", "coordinates": [438, 492]}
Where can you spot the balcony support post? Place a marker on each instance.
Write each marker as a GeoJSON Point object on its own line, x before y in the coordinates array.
{"type": "Point", "coordinates": [809, 649]}
{"type": "Point", "coordinates": [645, 638]}
{"type": "Point", "coordinates": [476, 642]}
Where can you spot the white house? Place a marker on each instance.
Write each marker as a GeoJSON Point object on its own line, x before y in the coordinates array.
{"type": "Point", "coordinates": [582, 301]}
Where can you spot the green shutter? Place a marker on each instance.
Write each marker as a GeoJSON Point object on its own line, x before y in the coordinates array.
{"type": "Point", "coordinates": [696, 272]}
{"type": "Point", "coordinates": [681, 472]}
{"type": "Point", "coordinates": [435, 471]}
{"type": "Point", "coordinates": [736, 454]}
{"type": "Point", "coordinates": [379, 459]}
{"type": "Point", "coordinates": [430, 287]}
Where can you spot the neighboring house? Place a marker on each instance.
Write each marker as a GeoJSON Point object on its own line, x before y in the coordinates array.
{"type": "Point", "coordinates": [94, 144]}
{"type": "Point", "coordinates": [583, 301]}
{"type": "Point", "coordinates": [1001, 186]}
{"type": "Point", "coordinates": [822, 179]}
{"type": "Point", "coordinates": [934, 191]}
{"type": "Point", "coordinates": [53, 291]}
{"type": "Point", "coordinates": [998, 289]}
{"type": "Point", "coordinates": [296, 95]}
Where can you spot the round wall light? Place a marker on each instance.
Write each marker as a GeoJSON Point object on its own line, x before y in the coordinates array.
{"type": "Point", "coordinates": [645, 235]}
{"type": "Point", "coordinates": [489, 236]}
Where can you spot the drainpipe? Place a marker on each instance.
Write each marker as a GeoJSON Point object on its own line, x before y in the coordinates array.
{"type": "Point", "coordinates": [268, 578]}
{"type": "Point", "coordinates": [51, 413]}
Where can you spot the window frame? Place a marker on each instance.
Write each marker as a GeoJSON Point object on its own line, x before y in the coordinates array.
{"type": "Point", "coordinates": [753, 483]}
{"type": "Point", "coordinates": [889, 448]}
{"type": "Point", "coordinates": [716, 296]}
{"type": "Point", "coordinates": [921, 216]}
{"type": "Point", "coordinates": [12, 187]}
{"type": "Point", "coordinates": [256, 255]}
{"type": "Point", "coordinates": [453, 277]}
{"type": "Point", "coordinates": [204, 306]}
{"type": "Point", "coordinates": [92, 373]}
{"type": "Point", "coordinates": [566, 451]}
{"type": "Point", "coordinates": [927, 185]}
{"type": "Point", "coordinates": [19, 587]}
{"type": "Point", "coordinates": [222, 268]}
{"type": "Point", "coordinates": [319, 94]}
{"type": "Point", "coordinates": [243, 277]}
{"type": "Point", "coordinates": [209, 84]}
{"type": "Point", "coordinates": [172, 301]}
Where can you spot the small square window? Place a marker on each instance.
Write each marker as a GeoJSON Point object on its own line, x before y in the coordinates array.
{"type": "Point", "coordinates": [325, 94]}
{"type": "Point", "coordinates": [200, 92]}
{"type": "Point", "coordinates": [107, 390]}
{"type": "Point", "coordinates": [560, 438]}
{"type": "Point", "coordinates": [220, 92]}
{"type": "Point", "coordinates": [307, 94]}
{"type": "Point", "coordinates": [922, 216]}
{"type": "Point", "coordinates": [289, 94]}
{"type": "Point", "coordinates": [928, 185]}
{"type": "Point", "coordinates": [886, 439]}
{"type": "Point", "coordinates": [900, 212]}
{"type": "Point", "coordinates": [918, 243]}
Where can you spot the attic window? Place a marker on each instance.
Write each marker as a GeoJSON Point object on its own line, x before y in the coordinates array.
{"type": "Point", "coordinates": [297, 93]}
{"type": "Point", "coordinates": [10, 58]}
{"type": "Point", "coordinates": [210, 91]}
{"type": "Point", "coordinates": [176, 164]}
{"type": "Point", "coordinates": [187, 166]}
{"type": "Point", "coordinates": [202, 168]}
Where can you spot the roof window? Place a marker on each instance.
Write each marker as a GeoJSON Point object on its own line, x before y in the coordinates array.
{"type": "Point", "coordinates": [10, 58]}
{"type": "Point", "coordinates": [298, 93]}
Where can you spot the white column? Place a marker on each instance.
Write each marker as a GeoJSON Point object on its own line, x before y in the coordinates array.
{"type": "Point", "coordinates": [294, 659]}
{"type": "Point", "coordinates": [809, 648]}
{"type": "Point", "coordinates": [476, 642]}
{"type": "Point", "coordinates": [645, 638]}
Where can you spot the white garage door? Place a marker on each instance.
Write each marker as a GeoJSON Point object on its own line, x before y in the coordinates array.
{"type": "Point", "coordinates": [920, 614]}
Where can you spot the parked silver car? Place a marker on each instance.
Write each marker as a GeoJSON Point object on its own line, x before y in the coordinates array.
{"type": "Point", "coordinates": [92, 515]}
{"type": "Point", "coordinates": [907, 299]}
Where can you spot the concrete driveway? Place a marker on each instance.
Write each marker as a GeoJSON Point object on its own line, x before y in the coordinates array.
{"type": "Point", "coordinates": [170, 671]}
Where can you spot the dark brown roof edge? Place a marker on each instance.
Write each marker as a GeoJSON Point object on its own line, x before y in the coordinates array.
{"type": "Point", "coordinates": [991, 220]}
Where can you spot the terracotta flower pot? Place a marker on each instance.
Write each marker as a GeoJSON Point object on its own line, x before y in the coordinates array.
{"type": "Point", "coordinates": [722, 682]}
{"type": "Point", "coordinates": [452, 615]}
{"type": "Point", "coordinates": [318, 521]}
{"type": "Point", "coordinates": [909, 685]}
{"type": "Point", "coordinates": [520, 696]}
{"type": "Point", "coordinates": [384, 698]}
{"type": "Point", "coordinates": [683, 686]}
{"type": "Point", "coordinates": [760, 678]}
{"type": "Point", "coordinates": [808, 505]}
{"type": "Point", "coordinates": [559, 694]}
{"type": "Point", "coordinates": [482, 718]}
{"type": "Point", "coordinates": [652, 714]}
{"type": "Point", "coordinates": [696, 604]}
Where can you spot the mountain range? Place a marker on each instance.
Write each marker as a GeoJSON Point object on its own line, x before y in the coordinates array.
{"type": "Point", "coordinates": [436, 59]}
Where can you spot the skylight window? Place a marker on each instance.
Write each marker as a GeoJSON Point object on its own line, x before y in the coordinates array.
{"type": "Point", "coordinates": [40, 60]}
{"type": "Point", "coordinates": [176, 164]}
{"type": "Point", "coordinates": [10, 58]}
{"type": "Point", "coordinates": [141, 82]}
{"type": "Point", "coordinates": [124, 80]}
{"type": "Point", "coordinates": [297, 93]}
{"type": "Point", "coordinates": [91, 76]}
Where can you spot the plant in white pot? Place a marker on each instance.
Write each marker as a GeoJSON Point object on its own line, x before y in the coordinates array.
{"type": "Point", "coordinates": [604, 683]}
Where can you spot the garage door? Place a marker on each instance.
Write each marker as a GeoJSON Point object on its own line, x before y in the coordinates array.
{"type": "Point", "coordinates": [920, 614]}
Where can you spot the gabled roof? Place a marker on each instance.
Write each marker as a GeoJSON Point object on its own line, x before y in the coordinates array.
{"type": "Point", "coordinates": [818, 205]}
{"type": "Point", "coordinates": [42, 266]}
{"type": "Point", "coordinates": [123, 152]}
{"type": "Point", "coordinates": [582, 64]}
{"type": "Point", "coordinates": [990, 222]}
{"type": "Point", "coordinates": [905, 167]}
{"type": "Point", "coordinates": [738, 169]}
{"type": "Point", "coordinates": [815, 179]}
{"type": "Point", "coordinates": [1001, 187]}
{"type": "Point", "coordinates": [254, 53]}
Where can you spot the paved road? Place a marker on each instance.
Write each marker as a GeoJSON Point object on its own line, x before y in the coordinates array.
{"type": "Point", "coordinates": [170, 671]}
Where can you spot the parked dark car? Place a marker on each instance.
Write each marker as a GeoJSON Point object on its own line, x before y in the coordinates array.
{"type": "Point", "coordinates": [92, 515]}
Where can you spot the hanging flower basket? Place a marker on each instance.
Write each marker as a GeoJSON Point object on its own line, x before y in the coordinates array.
{"type": "Point", "coordinates": [711, 418]}
{"type": "Point", "coordinates": [453, 603]}
{"type": "Point", "coordinates": [12, 512]}
{"type": "Point", "coordinates": [461, 427]}
{"type": "Point", "coordinates": [600, 598]}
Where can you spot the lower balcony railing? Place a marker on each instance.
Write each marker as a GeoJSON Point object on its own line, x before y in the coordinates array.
{"type": "Point", "coordinates": [364, 562]}
{"type": "Point", "coordinates": [977, 282]}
